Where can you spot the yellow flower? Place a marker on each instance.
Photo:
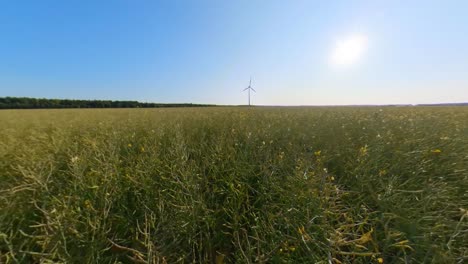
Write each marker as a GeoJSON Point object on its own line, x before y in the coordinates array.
{"type": "Point", "coordinates": [88, 204]}
{"type": "Point", "coordinates": [74, 159]}
{"type": "Point", "coordinates": [363, 150]}
{"type": "Point", "coordinates": [303, 233]}
{"type": "Point", "coordinates": [365, 238]}
{"type": "Point", "coordinates": [380, 260]}
{"type": "Point", "coordinates": [301, 230]}
{"type": "Point", "coordinates": [292, 249]}
{"type": "Point", "coordinates": [317, 153]}
{"type": "Point", "coordinates": [129, 145]}
{"type": "Point", "coordinates": [281, 155]}
{"type": "Point", "coordinates": [436, 151]}
{"type": "Point", "coordinates": [332, 178]}
{"type": "Point", "coordinates": [142, 149]}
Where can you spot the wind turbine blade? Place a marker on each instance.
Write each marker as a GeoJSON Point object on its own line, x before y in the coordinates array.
{"type": "Point", "coordinates": [250, 82]}
{"type": "Point", "coordinates": [253, 89]}
{"type": "Point", "coordinates": [246, 88]}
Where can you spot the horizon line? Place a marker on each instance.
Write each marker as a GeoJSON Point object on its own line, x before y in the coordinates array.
{"type": "Point", "coordinates": [257, 105]}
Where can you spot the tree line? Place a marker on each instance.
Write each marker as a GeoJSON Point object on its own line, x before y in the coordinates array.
{"type": "Point", "coordinates": [33, 103]}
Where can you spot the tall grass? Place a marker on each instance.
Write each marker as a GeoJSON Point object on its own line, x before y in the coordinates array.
{"type": "Point", "coordinates": [234, 185]}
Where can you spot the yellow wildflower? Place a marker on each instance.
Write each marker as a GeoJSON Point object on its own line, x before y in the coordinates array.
{"type": "Point", "coordinates": [88, 204]}
{"type": "Point", "coordinates": [363, 150]}
{"type": "Point", "coordinates": [129, 145]}
{"type": "Point", "coordinates": [142, 149]}
{"type": "Point", "coordinates": [365, 238]}
{"type": "Point", "coordinates": [380, 260]}
{"type": "Point", "coordinates": [317, 153]}
{"type": "Point", "coordinates": [301, 230]}
{"type": "Point", "coordinates": [281, 155]}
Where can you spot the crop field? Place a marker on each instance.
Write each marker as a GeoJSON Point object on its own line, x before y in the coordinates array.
{"type": "Point", "coordinates": [234, 185]}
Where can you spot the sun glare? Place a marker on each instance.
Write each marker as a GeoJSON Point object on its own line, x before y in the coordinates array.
{"type": "Point", "coordinates": [349, 50]}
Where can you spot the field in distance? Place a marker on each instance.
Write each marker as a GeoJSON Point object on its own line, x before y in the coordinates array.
{"type": "Point", "coordinates": [234, 185]}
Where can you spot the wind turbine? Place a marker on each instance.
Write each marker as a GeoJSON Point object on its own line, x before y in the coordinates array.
{"type": "Point", "coordinates": [250, 88]}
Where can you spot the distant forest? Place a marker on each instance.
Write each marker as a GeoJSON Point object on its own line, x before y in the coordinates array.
{"type": "Point", "coordinates": [33, 103]}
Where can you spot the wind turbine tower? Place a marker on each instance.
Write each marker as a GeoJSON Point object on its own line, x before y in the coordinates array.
{"type": "Point", "coordinates": [250, 88]}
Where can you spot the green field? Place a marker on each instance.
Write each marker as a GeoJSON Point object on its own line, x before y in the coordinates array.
{"type": "Point", "coordinates": [234, 185]}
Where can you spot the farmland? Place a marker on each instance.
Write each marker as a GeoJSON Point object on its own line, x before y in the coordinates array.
{"type": "Point", "coordinates": [234, 185]}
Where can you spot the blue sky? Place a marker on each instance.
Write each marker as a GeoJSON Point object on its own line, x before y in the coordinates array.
{"type": "Point", "coordinates": [205, 51]}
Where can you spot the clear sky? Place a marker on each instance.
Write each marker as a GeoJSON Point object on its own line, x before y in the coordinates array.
{"type": "Point", "coordinates": [297, 52]}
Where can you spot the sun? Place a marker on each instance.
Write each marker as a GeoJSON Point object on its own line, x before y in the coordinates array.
{"type": "Point", "coordinates": [349, 50]}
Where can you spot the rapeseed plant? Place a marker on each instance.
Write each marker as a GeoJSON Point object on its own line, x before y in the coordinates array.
{"type": "Point", "coordinates": [231, 185]}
